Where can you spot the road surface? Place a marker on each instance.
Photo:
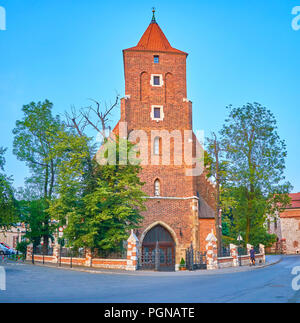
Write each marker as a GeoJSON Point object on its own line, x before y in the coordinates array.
{"type": "Point", "coordinates": [28, 283]}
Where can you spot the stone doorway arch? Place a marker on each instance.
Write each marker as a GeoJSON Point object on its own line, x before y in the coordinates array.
{"type": "Point", "coordinates": [158, 248]}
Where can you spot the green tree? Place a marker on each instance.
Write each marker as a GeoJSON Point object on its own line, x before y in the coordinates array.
{"type": "Point", "coordinates": [33, 212]}
{"type": "Point", "coordinates": [113, 209]}
{"type": "Point", "coordinates": [34, 138]}
{"type": "Point", "coordinates": [217, 170]}
{"type": "Point", "coordinates": [8, 210]}
{"type": "Point", "coordinates": [255, 177]}
{"type": "Point", "coordinates": [99, 204]}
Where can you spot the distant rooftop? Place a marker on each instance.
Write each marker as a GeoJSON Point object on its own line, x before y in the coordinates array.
{"type": "Point", "coordinates": [295, 202]}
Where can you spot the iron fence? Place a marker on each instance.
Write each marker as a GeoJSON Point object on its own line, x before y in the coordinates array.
{"type": "Point", "coordinates": [43, 251]}
{"type": "Point", "coordinates": [224, 252]}
{"type": "Point", "coordinates": [256, 249]}
{"type": "Point", "coordinates": [72, 252]}
{"type": "Point", "coordinates": [148, 259]}
{"type": "Point", "coordinates": [108, 254]}
{"type": "Point", "coordinates": [242, 251]}
{"type": "Point", "coordinates": [195, 259]}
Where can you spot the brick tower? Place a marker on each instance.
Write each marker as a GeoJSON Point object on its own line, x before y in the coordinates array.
{"type": "Point", "coordinates": [180, 208]}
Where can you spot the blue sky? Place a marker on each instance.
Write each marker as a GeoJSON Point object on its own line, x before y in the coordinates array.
{"type": "Point", "coordinates": [69, 51]}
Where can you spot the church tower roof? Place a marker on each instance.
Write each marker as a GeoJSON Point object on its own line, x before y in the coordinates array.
{"type": "Point", "coordinates": [154, 40]}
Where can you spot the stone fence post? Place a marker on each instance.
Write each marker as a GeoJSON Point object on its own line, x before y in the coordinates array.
{"type": "Point", "coordinates": [211, 251]}
{"type": "Point", "coordinates": [132, 252]}
{"type": "Point", "coordinates": [234, 254]}
{"type": "Point", "coordinates": [56, 253]}
{"type": "Point", "coordinates": [29, 252]}
{"type": "Point", "coordinates": [262, 251]}
{"type": "Point", "coordinates": [88, 257]}
{"type": "Point", "coordinates": [249, 246]}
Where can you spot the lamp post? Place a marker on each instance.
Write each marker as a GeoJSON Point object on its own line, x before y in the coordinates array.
{"type": "Point", "coordinates": [239, 239]}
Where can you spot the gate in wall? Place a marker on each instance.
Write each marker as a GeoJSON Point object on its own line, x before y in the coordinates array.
{"type": "Point", "coordinates": [195, 259]}
{"type": "Point", "coordinates": [158, 250]}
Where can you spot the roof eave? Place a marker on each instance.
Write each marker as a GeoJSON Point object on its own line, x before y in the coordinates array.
{"type": "Point", "coordinates": [132, 49]}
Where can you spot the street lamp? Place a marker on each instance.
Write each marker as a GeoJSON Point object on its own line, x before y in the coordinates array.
{"type": "Point", "coordinates": [239, 239]}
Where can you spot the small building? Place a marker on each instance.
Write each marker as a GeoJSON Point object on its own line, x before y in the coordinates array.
{"type": "Point", "coordinates": [13, 235]}
{"type": "Point", "coordinates": [286, 226]}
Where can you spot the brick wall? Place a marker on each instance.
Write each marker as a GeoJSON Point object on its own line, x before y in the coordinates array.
{"type": "Point", "coordinates": [177, 207]}
{"type": "Point", "coordinates": [205, 227]}
{"type": "Point", "coordinates": [125, 264]}
{"type": "Point", "coordinates": [179, 214]}
{"type": "Point", "coordinates": [290, 228]}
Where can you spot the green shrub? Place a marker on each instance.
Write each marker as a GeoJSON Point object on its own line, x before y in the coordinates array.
{"type": "Point", "coordinates": [182, 263]}
{"type": "Point", "coordinates": [22, 247]}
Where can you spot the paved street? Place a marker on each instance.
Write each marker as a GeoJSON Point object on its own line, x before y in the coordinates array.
{"type": "Point", "coordinates": [28, 283]}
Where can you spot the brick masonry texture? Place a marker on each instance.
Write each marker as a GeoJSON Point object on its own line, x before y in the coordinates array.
{"type": "Point", "coordinates": [180, 215]}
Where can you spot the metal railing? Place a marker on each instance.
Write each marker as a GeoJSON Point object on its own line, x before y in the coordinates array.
{"type": "Point", "coordinates": [242, 251]}
{"type": "Point", "coordinates": [256, 249]}
{"type": "Point", "coordinates": [148, 259]}
{"type": "Point", "coordinates": [195, 259]}
{"type": "Point", "coordinates": [224, 252]}
{"type": "Point", "coordinates": [72, 252]}
{"type": "Point", "coordinates": [108, 254]}
{"type": "Point", "coordinates": [43, 251]}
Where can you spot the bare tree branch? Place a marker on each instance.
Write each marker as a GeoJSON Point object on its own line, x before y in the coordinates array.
{"type": "Point", "coordinates": [96, 117]}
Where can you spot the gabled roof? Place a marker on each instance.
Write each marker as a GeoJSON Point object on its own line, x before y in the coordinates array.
{"type": "Point", "coordinates": [295, 200]}
{"type": "Point", "coordinates": [154, 40]}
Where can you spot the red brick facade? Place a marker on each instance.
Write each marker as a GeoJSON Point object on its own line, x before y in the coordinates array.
{"type": "Point", "coordinates": [177, 207]}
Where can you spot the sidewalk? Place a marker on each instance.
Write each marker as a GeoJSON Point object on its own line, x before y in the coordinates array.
{"type": "Point", "coordinates": [270, 260]}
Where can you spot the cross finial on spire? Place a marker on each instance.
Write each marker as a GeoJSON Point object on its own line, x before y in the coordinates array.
{"type": "Point", "coordinates": [153, 17]}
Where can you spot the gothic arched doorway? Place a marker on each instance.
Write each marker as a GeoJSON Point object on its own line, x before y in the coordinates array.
{"type": "Point", "coordinates": [158, 249]}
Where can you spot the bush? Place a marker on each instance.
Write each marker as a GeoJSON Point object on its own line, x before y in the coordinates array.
{"type": "Point", "coordinates": [22, 247]}
{"type": "Point", "coordinates": [182, 263]}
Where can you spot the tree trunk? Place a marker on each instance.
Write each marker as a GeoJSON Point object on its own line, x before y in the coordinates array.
{"type": "Point", "coordinates": [46, 218]}
{"type": "Point", "coordinates": [217, 218]}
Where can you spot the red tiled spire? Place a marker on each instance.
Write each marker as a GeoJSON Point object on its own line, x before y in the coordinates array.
{"type": "Point", "coordinates": [155, 40]}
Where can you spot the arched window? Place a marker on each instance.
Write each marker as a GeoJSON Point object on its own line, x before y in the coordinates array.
{"type": "Point", "coordinates": [156, 146]}
{"type": "Point", "coordinates": [157, 187]}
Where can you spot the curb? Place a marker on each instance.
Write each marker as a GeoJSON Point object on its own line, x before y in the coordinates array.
{"type": "Point", "coordinates": [270, 264]}
{"type": "Point", "coordinates": [161, 274]}
{"type": "Point", "coordinates": [92, 271]}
